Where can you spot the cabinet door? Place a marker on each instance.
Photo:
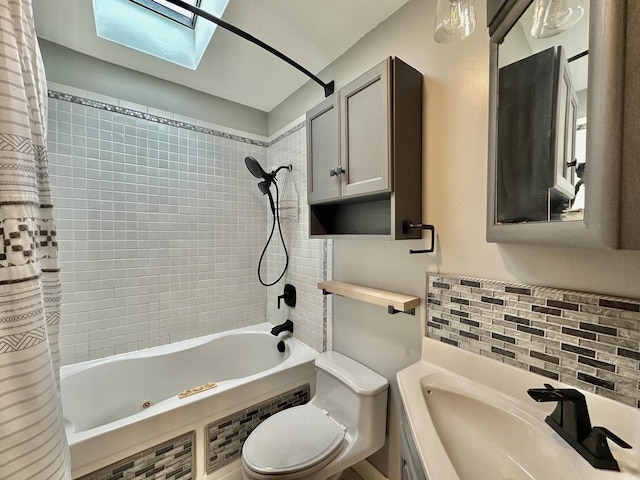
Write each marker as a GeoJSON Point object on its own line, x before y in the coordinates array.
{"type": "Point", "coordinates": [566, 104]}
{"type": "Point", "coordinates": [323, 152]}
{"type": "Point", "coordinates": [365, 128]}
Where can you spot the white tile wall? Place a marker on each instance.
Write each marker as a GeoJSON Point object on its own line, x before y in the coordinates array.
{"type": "Point", "coordinates": [305, 255]}
{"type": "Point", "coordinates": [160, 231]}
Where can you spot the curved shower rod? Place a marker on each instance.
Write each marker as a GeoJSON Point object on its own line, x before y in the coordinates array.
{"type": "Point", "coordinates": [328, 87]}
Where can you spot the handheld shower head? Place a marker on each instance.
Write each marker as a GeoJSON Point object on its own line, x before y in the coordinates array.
{"type": "Point", "coordinates": [256, 169]}
{"type": "Point", "coordinates": [264, 188]}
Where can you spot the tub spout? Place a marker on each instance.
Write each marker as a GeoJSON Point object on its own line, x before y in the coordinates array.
{"type": "Point", "coordinates": [287, 326]}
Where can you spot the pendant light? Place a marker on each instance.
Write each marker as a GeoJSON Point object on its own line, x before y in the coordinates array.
{"type": "Point", "coordinates": [455, 20]}
{"type": "Point", "coordinates": [551, 17]}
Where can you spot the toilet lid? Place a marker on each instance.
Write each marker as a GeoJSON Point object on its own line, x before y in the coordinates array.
{"type": "Point", "coordinates": [292, 440]}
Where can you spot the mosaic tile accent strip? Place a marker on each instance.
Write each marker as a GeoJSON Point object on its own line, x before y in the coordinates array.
{"type": "Point", "coordinates": [157, 119]}
{"type": "Point", "coordinates": [586, 340]}
{"type": "Point", "coordinates": [225, 437]}
{"type": "Point", "coordinates": [291, 131]}
{"type": "Point", "coordinates": [171, 460]}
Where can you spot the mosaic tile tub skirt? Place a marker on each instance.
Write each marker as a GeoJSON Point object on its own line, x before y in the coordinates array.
{"type": "Point", "coordinates": [586, 340]}
{"type": "Point", "coordinates": [174, 459]}
{"type": "Point", "coordinates": [225, 437]}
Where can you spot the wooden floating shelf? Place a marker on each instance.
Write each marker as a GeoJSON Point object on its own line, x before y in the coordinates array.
{"type": "Point", "coordinates": [396, 302]}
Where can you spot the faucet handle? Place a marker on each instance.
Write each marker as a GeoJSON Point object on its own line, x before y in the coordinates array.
{"type": "Point", "coordinates": [289, 296]}
{"type": "Point", "coordinates": [596, 449]}
{"type": "Point", "coordinates": [603, 432]}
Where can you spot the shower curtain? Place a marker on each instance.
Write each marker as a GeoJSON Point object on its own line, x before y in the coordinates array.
{"type": "Point", "coordinates": [33, 444]}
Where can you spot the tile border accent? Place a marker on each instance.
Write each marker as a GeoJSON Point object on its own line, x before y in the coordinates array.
{"type": "Point", "coordinates": [170, 460]}
{"type": "Point", "coordinates": [586, 340]}
{"type": "Point", "coordinates": [325, 308]}
{"type": "Point", "coordinates": [225, 437]}
{"type": "Point", "coordinates": [291, 131]}
{"type": "Point", "coordinates": [158, 119]}
{"type": "Point", "coordinates": [168, 121]}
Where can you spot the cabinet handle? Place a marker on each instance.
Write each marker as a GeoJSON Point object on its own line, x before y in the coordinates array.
{"type": "Point", "coordinates": [337, 171]}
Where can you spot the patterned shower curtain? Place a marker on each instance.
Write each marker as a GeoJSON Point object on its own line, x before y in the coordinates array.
{"type": "Point", "coordinates": [33, 444]}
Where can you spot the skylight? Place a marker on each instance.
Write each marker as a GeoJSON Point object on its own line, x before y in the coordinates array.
{"type": "Point", "coordinates": [169, 10]}
{"type": "Point", "coordinates": [157, 27]}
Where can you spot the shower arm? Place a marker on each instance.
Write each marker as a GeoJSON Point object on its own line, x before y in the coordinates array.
{"type": "Point", "coordinates": [328, 87]}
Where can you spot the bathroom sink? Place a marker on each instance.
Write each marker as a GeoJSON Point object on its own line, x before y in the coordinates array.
{"type": "Point", "coordinates": [484, 432]}
{"type": "Point", "coordinates": [478, 426]}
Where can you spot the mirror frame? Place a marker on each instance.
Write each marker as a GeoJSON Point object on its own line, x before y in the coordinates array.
{"type": "Point", "coordinates": [600, 226]}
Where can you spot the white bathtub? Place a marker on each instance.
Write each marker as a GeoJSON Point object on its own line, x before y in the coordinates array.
{"type": "Point", "coordinates": [103, 399]}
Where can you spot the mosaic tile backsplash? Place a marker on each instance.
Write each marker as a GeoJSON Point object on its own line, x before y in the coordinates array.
{"type": "Point", "coordinates": [171, 460]}
{"type": "Point", "coordinates": [225, 437]}
{"type": "Point", "coordinates": [586, 340]}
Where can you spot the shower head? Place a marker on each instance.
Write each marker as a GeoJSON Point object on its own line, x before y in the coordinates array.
{"type": "Point", "coordinates": [264, 187]}
{"type": "Point", "coordinates": [256, 170]}
{"type": "Point", "coordinates": [267, 178]}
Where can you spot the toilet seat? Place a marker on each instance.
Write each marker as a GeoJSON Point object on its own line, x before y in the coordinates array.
{"type": "Point", "coordinates": [298, 439]}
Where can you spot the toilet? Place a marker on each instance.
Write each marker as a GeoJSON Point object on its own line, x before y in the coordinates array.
{"type": "Point", "coordinates": [344, 423]}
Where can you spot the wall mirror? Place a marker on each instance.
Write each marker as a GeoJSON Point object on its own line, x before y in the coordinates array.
{"type": "Point", "coordinates": [556, 94]}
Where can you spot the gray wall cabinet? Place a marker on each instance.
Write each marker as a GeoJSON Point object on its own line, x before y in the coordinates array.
{"type": "Point", "coordinates": [364, 154]}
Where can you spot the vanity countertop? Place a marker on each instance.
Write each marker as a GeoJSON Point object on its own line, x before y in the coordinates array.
{"type": "Point", "coordinates": [501, 388]}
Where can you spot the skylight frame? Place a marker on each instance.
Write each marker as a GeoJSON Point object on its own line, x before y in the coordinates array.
{"type": "Point", "coordinates": [170, 13]}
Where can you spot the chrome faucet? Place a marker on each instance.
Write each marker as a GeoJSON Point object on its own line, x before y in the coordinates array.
{"type": "Point", "coordinates": [571, 421]}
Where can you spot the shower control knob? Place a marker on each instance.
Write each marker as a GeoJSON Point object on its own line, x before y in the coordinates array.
{"type": "Point", "coordinates": [337, 171]}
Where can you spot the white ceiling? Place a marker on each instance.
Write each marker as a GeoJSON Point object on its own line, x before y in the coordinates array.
{"type": "Point", "coordinates": [312, 32]}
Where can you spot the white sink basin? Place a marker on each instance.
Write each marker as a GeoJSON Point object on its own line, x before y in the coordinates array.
{"type": "Point", "coordinates": [483, 426]}
{"type": "Point", "coordinates": [484, 432]}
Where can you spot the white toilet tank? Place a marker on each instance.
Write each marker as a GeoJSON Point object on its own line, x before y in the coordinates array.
{"type": "Point", "coordinates": [354, 396]}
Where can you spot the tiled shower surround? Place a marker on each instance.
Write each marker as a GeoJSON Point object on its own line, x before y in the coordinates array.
{"type": "Point", "coordinates": [161, 227]}
{"type": "Point", "coordinates": [306, 264]}
{"type": "Point", "coordinates": [586, 340]}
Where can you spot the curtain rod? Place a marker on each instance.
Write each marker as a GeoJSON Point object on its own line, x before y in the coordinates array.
{"type": "Point", "coordinates": [328, 87]}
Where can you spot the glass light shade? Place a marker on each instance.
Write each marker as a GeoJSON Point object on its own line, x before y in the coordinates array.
{"type": "Point", "coordinates": [455, 20]}
{"type": "Point", "coordinates": [551, 17]}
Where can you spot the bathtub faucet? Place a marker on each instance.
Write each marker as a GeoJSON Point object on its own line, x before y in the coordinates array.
{"type": "Point", "coordinates": [289, 296]}
{"type": "Point", "coordinates": [287, 326]}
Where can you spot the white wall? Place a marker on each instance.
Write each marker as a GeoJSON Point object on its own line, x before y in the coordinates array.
{"type": "Point", "coordinates": [454, 181]}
